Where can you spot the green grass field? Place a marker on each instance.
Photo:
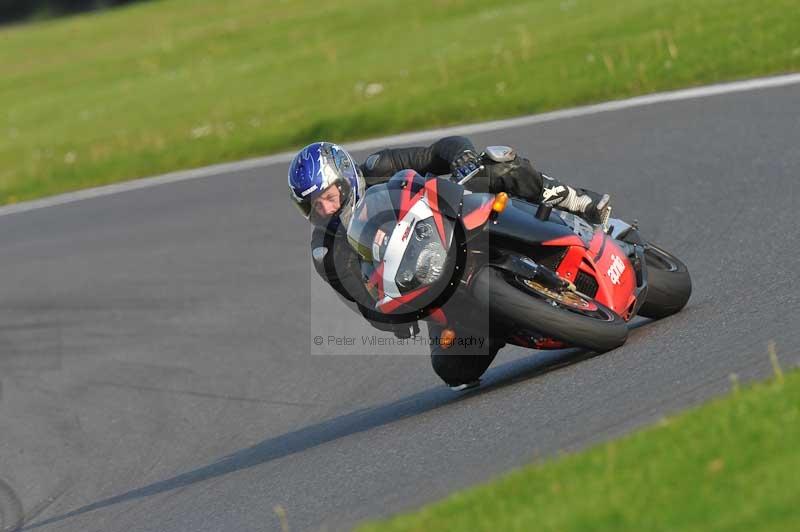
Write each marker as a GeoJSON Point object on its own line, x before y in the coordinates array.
{"type": "Point", "coordinates": [732, 465]}
{"type": "Point", "coordinates": [172, 84]}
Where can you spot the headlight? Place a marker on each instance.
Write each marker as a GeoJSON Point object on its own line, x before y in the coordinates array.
{"type": "Point", "coordinates": [423, 230]}
{"type": "Point", "coordinates": [430, 263]}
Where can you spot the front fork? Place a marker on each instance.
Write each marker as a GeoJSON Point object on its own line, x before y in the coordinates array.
{"type": "Point", "coordinates": [529, 269]}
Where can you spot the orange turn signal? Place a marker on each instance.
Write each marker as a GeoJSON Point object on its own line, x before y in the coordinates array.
{"type": "Point", "coordinates": [500, 201]}
{"type": "Point", "coordinates": [448, 338]}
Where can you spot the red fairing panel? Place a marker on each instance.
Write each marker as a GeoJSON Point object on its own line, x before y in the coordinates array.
{"type": "Point", "coordinates": [607, 264]}
{"type": "Point", "coordinates": [570, 240]}
{"type": "Point", "coordinates": [432, 193]}
{"type": "Point", "coordinates": [478, 217]}
{"type": "Point", "coordinates": [615, 274]}
{"type": "Point", "coordinates": [439, 316]}
{"type": "Point", "coordinates": [542, 344]}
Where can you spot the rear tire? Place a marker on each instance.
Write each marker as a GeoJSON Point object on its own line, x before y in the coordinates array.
{"type": "Point", "coordinates": [669, 285]}
{"type": "Point", "coordinates": [513, 300]}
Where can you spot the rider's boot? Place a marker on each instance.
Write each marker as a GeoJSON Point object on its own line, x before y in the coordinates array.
{"type": "Point", "coordinates": [585, 203]}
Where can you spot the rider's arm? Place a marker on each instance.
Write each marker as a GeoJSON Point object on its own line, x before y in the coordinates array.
{"type": "Point", "coordinates": [323, 247]}
{"type": "Point", "coordinates": [517, 178]}
{"type": "Point", "coordinates": [434, 159]}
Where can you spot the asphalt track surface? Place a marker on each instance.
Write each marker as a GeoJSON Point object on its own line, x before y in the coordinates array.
{"type": "Point", "coordinates": [154, 351]}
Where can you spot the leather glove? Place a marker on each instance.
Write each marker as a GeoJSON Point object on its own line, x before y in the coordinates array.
{"type": "Point", "coordinates": [465, 163]}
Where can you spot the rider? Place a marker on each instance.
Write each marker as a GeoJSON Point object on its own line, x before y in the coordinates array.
{"type": "Point", "coordinates": [325, 182]}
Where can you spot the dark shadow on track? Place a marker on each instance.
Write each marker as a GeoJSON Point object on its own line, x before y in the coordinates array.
{"type": "Point", "coordinates": [345, 425]}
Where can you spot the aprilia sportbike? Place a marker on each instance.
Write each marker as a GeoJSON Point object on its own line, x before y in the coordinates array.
{"type": "Point", "coordinates": [486, 264]}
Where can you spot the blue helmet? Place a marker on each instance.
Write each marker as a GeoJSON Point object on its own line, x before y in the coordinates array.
{"type": "Point", "coordinates": [317, 167]}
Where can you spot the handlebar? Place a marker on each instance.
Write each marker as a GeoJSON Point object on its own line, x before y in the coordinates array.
{"type": "Point", "coordinates": [470, 175]}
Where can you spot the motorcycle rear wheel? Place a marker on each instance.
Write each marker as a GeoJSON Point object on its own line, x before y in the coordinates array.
{"type": "Point", "coordinates": [669, 285]}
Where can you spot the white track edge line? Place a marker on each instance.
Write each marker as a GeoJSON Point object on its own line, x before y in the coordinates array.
{"type": "Point", "coordinates": [406, 138]}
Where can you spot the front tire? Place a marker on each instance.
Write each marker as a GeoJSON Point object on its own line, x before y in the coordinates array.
{"type": "Point", "coordinates": [596, 328]}
{"type": "Point", "coordinates": [669, 285]}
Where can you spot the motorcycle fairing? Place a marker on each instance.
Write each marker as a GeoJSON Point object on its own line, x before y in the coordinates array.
{"type": "Point", "coordinates": [421, 208]}
{"type": "Point", "coordinates": [616, 272]}
{"type": "Point", "coordinates": [414, 221]}
{"type": "Point", "coordinates": [518, 222]}
{"type": "Point", "coordinates": [605, 264]}
{"type": "Point", "coordinates": [476, 210]}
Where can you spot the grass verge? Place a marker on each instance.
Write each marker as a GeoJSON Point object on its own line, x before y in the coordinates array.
{"type": "Point", "coordinates": [172, 84]}
{"type": "Point", "coordinates": [732, 464]}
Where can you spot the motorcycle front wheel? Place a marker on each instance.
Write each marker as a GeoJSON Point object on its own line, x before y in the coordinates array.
{"type": "Point", "coordinates": [567, 316]}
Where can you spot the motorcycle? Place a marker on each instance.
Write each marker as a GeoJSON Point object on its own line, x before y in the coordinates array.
{"type": "Point", "coordinates": [488, 264]}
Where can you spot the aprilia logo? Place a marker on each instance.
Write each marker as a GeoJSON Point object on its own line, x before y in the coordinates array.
{"type": "Point", "coordinates": [616, 269]}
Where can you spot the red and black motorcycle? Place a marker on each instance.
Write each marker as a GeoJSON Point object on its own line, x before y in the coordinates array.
{"type": "Point", "coordinates": [478, 264]}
